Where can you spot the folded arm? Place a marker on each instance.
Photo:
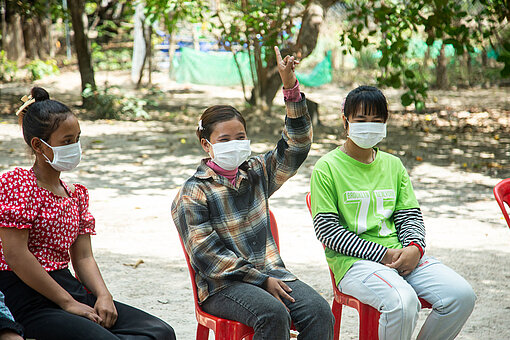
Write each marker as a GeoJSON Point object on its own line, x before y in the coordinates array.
{"type": "Point", "coordinates": [333, 235]}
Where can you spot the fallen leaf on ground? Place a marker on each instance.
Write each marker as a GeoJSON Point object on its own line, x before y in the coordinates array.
{"type": "Point", "coordinates": [134, 265]}
{"type": "Point", "coordinates": [494, 165]}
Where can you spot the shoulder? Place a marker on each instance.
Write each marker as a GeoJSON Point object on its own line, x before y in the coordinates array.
{"type": "Point", "coordinates": [79, 191]}
{"type": "Point", "coordinates": [18, 177]}
{"type": "Point", "coordinates": [327, 160]}
{"type": "Point", "coordinates": [389, 158]}
{"type": "Point", "coordinates": [193, 187]}
{"type": "Point", "coordinates": [71, 187]}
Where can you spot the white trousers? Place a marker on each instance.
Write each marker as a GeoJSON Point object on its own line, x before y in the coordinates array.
{"type": "Point", "coordinates": [396, 297]}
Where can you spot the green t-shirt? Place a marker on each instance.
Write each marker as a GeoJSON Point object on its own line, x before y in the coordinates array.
{"type": "Point", "coordinates": [364, 196]}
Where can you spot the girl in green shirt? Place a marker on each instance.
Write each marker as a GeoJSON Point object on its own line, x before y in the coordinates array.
{"type": "Point", "coordinates": [366, 214]}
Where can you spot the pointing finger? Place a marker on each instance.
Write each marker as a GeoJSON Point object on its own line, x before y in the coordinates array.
{"type": "Point", "coordinates": [278, 54]}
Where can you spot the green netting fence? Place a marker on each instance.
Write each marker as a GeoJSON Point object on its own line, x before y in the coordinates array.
{"type": "Point", "coordinates": [211, 68]}
{"type": "Point", "coordinates": [320, 75]}
{"type": "Point", "coordinates": [219, 68]}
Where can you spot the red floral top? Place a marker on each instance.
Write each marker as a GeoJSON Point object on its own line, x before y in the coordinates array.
{"type": "Point", "coordinates": [54, 221]}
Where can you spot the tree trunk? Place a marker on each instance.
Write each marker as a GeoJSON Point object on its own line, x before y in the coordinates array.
{"type": "Point", "coordinates": [29, 38]}
{"type": "Point", "coordinates": [441, 76]}
{"type": "Point", "coordinates": [81, 45]}
{"type": "Point", "coordinates": [469, 68]}
{"type": "Point", "coordinates": [12, 36]}
{"type": "Point", "coordinates": [47, 44]}
{"type": "Point", "coordinates": [307, 40]}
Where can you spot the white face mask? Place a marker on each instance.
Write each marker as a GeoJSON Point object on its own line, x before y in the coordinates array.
{"type": "Point", "coordinates": [229, 155]}
{"type": "Point", "coordinates": [66, 157]}
{"type": "Point", "coordinates": [366, 135]}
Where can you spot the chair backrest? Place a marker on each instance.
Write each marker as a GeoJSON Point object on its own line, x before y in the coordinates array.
{"type": "Point", "coordinates": [192, 274]}
{"type": "Point", "coordinates": [502, 194]}
{"type": "Point", "coordinates": [309, 205]}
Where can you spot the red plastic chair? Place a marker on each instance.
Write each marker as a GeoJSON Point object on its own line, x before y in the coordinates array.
{"type": "Point", "coordinates": [368, 315]}
{"type": "Point", "coordinates": [502, 194]}
{"type": "Point", "coordinates": [223, 329]}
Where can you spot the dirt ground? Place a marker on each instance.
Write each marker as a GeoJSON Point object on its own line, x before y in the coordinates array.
{"type": "Point", "coordinates": [455, 155]}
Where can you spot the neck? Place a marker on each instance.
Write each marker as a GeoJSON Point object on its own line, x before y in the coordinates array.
{"type": "Point", "coordinates": [366, 156]}
{"type": "Point", "coordinates": [45, 173]}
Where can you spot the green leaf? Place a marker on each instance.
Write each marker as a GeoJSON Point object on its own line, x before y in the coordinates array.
{"type": "Point", "coordinates": [420, 105]}
{"type": "Point", "coordinates": [406, 99]}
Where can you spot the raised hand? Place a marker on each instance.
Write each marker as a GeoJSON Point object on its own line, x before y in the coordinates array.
{"type": "Point", "coordinates": [286, 69]}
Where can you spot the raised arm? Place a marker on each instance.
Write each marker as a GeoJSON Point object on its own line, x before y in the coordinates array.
{"type": "Point", "coordinates": [292, 149]}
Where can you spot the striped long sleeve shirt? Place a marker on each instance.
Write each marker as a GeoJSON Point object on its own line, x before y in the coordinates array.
{"type": "Point", "coordinates": [329, 231]}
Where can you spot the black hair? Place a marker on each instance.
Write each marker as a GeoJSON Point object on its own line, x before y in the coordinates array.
{"type": "Point", "coordinates": [217, 114]}
{"type": "Point", "coordinates": [214, 115]}
{"type": "Point", "coordinates": [41, 118]}
{"type": "Point", "coordinates": [368, 100]}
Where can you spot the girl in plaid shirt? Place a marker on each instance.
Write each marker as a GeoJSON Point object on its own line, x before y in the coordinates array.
{"type": "Point", "coordinates": [222, 216]}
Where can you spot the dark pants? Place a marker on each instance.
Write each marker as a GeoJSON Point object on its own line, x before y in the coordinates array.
{"type": "Point", "coordinates": [255, 307]}
{"type": "Point", "coordinates": [42, 319]}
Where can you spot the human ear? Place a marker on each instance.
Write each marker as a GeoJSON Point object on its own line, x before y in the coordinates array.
{"type": "Point", "coordinates": [205, 145]}
{"type": "Point", "coordinates": [36, 145]}
{"type": "Point", "coordinates": [344, 119]}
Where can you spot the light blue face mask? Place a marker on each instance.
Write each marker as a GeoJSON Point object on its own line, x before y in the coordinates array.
{"type": "Point", "coordinates": [66, 157]}
{"type": "Point", "coordinates": [367, 134]}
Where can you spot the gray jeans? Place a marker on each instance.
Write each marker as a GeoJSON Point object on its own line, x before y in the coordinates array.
{"type": "Point", "coordinates": [255, 307]}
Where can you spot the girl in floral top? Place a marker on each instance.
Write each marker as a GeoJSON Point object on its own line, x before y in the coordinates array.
{"type": "Point", "coordinates": [44, 224]}
{"type": "Point", "coordinates": [222, 215]}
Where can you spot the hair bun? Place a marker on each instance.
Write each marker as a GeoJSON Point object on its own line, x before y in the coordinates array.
{"type": "Point", "coordinates": [39, 94]}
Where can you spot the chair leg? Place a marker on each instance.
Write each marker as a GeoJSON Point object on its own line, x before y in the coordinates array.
{"type": "Point", "coordinates": [368, 323]}
{"type": "Point", "coordinates": [337, 313]}
{"type": "Point", "coordinates": [202, 332]}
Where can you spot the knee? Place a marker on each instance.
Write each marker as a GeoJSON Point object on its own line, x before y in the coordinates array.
{"type": "Point", "coordinates": [320, 314]}
{"type": "Point", "coordinates": [274, 317]}
{"type": "Point", "coordinates": [164, 331]}
{"type": "Point", "coordinates": [461, 299]}
{"type": "Point", "coordinates": [406, 304]}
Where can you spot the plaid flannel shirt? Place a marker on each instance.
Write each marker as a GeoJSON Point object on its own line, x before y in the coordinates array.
{"type": "Point", "coordinates": [226, 228]}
